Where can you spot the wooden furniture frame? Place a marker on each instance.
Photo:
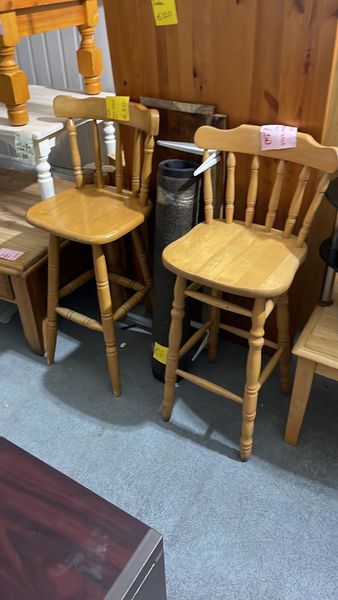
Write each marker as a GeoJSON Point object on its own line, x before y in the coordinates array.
{"type": "Point", "coordinates": [98, 215]}
{"type": "Point", "coordinates": [20, 18]}
{"type": "Point", "coordinates": [245, 259]}
{"type": "Point", "coordinates": [41, 134]}
{"type": "Point", "coordinates": [317, 352]}
{"type": "Point", "coordinates": [59, 540]}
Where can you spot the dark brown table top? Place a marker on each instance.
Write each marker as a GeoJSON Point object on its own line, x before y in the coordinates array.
{"type": "Point", "coordinates": [58, 540]}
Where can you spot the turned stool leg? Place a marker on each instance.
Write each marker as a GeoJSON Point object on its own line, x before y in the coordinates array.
{"type": "Point", "coordinates": [89, 60]}
{"type": "Point", "coordinates": [175, 336]}
{"type": "Point", "coordinates": [106, 310]}
{"type": "Point", "coordinates": [215, 314]}
{"type": "Point", "coordinates": [253, 369]}
{"type": "Point", "coordinates": [142, 257]}
{"type": "Point", "coordinates": [284, 342]}
{"type": "Point", "coordinates": [53, 296]}
{"type": "Point", "coordinates": [13, 83]}
{"type": "Point", "coordinates": [299, 399]}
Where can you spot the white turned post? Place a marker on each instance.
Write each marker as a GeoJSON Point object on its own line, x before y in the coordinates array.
{"type": "Point", "coordinates": [42, 150]}
{"type": "Point", "coordinates": [109, 137]}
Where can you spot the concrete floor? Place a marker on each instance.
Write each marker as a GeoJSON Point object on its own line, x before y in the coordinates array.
{"type": "Point", "coordinates": [262, 530]}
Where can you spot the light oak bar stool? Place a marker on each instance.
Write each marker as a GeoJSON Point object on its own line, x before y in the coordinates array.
{"type": "Point", "coordinates": [244, 259]}
{"type": "Point", "coordinates": [99, 215]}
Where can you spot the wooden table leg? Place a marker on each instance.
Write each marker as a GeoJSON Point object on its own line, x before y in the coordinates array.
{"type": "Point", "coordinates": [13, 82]}
{"type": "Point", "coordinates": [299, 399]}
{"type": "Point", "coordinates": [89, 60]}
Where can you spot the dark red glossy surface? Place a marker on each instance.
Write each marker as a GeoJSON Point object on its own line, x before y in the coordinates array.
{"type": "Point", "coordinates": [58, 540]}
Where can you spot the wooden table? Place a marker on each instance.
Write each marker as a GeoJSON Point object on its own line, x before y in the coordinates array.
{"type": "Point", "coordinates": [34, 141]}
{"type": "Point", "coordinates": [59, 541]}
{"type": "Point", "coordinates": [27, 17]}
{"type": "Point", "coordinates": [317, 351]}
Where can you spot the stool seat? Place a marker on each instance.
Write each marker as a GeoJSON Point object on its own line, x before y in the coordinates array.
{"type": "Point", "coordinates": [234, 258]}
{"type": "Point", "coordinates": [89, 215]}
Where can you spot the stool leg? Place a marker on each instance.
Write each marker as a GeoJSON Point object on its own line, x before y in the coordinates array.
{"type": "Point", "coordinates": [284, 342]}
{"type": "Point", "coordinates": [142, 257]}
{"type": "Point", "coordinates": [215, 314]}
{"type": "Point", "coordinates": [299, 399]}
{"type": "Point", "coordinates": [53, 296]}
{"type": "Point", "coordinates": [253, 369]}
{"type": "Point", "coordinates": [106, 310]}
{"type": "Point", "coordinates": [175, 336]}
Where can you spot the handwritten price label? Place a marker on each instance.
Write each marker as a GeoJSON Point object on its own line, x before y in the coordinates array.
{"type": "Point", "coordinates": [117, 108]}
{"type": "Point", "coordinates": [277, 137]}
{"type": "Point", "coordinates": [8, 254]}
{"type": "Point", "coordinates": [165, 12]}
{"type": "Point", "coordinates": [160, 353]}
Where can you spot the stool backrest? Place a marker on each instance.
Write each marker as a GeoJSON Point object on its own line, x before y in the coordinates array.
{"type": "Point", "coordinates": [145, 122]}
{"type": "Point", "coordinates": [245, 139]}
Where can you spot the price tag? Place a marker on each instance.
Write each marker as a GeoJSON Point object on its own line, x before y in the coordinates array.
{"type": "Point", "coordinates": [24, 146]}
{"type": "Point", "coordinates": [117, 108]}
{"type": "Point", "coordinates": [160, 353]}
{"type": "Point", "coordinates": [165, 12]}
{"type": "Point", "coordinates": [277, 137]}
{"type": "Point", "coordinates": [1, 28]}
{"type": "Point", "coordinates": [8, 254]}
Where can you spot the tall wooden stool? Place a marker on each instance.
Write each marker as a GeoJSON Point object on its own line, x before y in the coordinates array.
{"type": "Point", "coordinates": [244, 259]}
{"type": "Point", "coordinates": [99, 215]}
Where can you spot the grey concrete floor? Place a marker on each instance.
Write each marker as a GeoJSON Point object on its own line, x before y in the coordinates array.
{"type": "Point", "coordinates": [262, 530]}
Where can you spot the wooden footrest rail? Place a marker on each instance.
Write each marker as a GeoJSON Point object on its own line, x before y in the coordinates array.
{"type": "Point", "coordinates": [76, 283]}
{"type": "Point", "coordinates": [208, 385]}
{"type": "Point", "coordinates": [78, 318]}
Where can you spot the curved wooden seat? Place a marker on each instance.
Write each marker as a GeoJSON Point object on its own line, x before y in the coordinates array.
{"type": "Point", "coordinates": [89, 215]}
{"type": "Point", "coordinates": [237, 259]}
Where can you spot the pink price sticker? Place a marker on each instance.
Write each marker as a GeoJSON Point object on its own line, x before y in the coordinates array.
{"type": "Point", "coordinates": [8, 254]}
{"type": "Point", "coordinates": [1, 28]}
{"type": "Point", "coordinates": [277, 137]}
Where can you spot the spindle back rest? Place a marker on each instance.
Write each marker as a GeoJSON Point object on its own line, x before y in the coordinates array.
{"type": "Point", "coordinates": [145, 122]}
{"type": "Point", "coordinates": [245, 139]}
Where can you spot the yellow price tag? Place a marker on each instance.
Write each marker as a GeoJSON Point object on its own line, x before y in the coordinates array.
{"type": "Point", "coordinates": [165, 12]}
{"type": "Point", "coordinates": [160, 353]}
{"type": "Point", "coordinates": [117, 108]}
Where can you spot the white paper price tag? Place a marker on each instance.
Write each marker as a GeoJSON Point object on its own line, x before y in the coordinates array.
{"type": "Point", "coordinates": [277, 137]}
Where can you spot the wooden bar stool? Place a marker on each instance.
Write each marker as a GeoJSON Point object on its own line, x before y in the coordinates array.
{"type": "Point", "coordinates": [99, 215]}
{"type": "Point", "coordinates": [244, 259]}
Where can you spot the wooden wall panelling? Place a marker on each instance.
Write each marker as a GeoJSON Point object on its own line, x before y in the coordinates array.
{"type": "Point", "coordinates": [258, 61]}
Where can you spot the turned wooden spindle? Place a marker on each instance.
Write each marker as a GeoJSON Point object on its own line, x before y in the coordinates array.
{"type": "Point", "coordinates": [175, 336]}
{"type": "Point", "coordinates": [208, 195]}
{"type": "Point", "coordinates": [283, 342]}
{"type": "Point", "coordinates": [89, 58]}
{"type": "Point", "coordinates": [53, 296]}
{"type": "Point", "coordinates": [146, 169]}
{"type": "Point", "coordinates": [252, 192]}
{"type": "Point", "coordinates": [253, 369]}
{"type": "Point", "coordinates": [230, 188]}
{"type": "Point", "coordinates": [13, 82]}
{"type": "Point", "coordinates": [107, 321]}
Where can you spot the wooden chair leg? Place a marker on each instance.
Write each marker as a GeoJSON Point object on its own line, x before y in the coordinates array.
{"type": "Point", "coordinates": [284, 342]}
{"type": "Point", "coordinates": [106, 310]}
{"type": "Point", "coordinates": [142, 257]}
{"type": "Point", "coordinates": [175, 336]}
{"type": "Point", "coordinates": [112, 258]}
{"type": "Point", "coordinates": [215, 314]}
{"type": "Point", "coordinates": [53, 296]}
{"type": "Point", "coordinates": [253, 369]}
{"type": "Point", "coordinates": [30, 297]}
{"type": "Point", "coordinates": [299, 399]}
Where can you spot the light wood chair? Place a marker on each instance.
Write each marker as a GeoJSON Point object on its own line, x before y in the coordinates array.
{"type": "Point", "coordinates": [244, 259]}
{"type": "Point", "coordinates": [99, 215]}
